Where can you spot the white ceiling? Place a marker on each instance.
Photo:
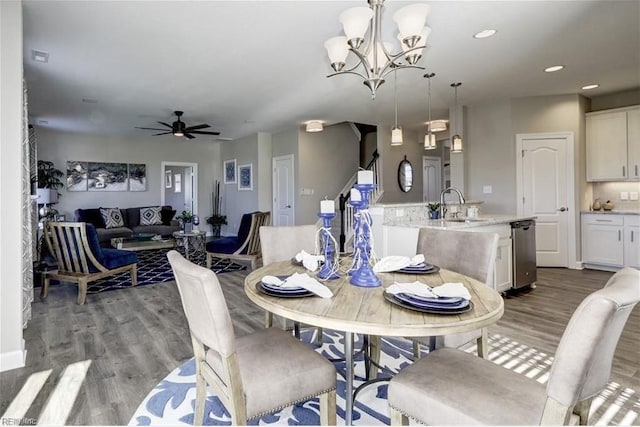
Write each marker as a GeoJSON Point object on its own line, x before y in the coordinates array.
{"type": "Point", "coordinates": [249, 66]}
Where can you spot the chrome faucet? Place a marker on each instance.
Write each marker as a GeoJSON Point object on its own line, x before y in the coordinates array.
{"type": "Point", "coordinates": [442, 204]}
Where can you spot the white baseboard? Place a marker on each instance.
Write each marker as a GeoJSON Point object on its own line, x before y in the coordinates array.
{"type": "Point", "coordinates": [13, 359]}
{"type": "Point", "coordinates": [579, 266]}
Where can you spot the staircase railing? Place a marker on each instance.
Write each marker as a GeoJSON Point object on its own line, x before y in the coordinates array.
{"type": "Point", "coordinates": [345, 216]}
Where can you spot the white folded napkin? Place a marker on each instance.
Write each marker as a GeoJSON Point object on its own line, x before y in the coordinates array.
{"type": "Point", "coordinates": [397, 262]}
{"type": "Point", "coordinates": [452, 290]}
{"type": "Point", "coordinates": [416, 288]}
{"type": "Point", "coordinates": [302, 281]}
{"type": "Point", "coordinates": [309, 261]}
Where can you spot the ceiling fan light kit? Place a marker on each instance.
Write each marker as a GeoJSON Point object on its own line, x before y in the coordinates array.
{"type": "Point", "coordinates": [179, 128]}
{"type": "Point", "coordinates": [373, 55]}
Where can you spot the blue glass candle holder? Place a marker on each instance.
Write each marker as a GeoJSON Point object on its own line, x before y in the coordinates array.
{"type": "Point", "coordinates": [327, 271]}
{"type": "Point", "coordinates": [363, 274]}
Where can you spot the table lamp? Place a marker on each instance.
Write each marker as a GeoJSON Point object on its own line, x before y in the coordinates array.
{"type": "Point", "coordinates": [47, 196]}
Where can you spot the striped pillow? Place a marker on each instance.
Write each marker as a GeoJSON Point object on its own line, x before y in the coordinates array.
{"type": "Point", "coordinates": [150, 216]}
{"type": "Point", "coordinates": [112, 217]}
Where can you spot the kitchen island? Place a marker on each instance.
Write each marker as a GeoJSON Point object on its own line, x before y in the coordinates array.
{"type": "Point", "coordinates": [398, 235]}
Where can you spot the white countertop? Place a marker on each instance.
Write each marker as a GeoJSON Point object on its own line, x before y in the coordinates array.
{"type": "Point", "coordinates": [406, 205]}
{"type": "Point", "coordinates": [613, 212]}
{"type": "Point", "coordinates": [481, 221]}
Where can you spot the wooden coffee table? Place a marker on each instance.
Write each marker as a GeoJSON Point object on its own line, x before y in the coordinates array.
{"type": "Point", "coordinates": [129, 244]}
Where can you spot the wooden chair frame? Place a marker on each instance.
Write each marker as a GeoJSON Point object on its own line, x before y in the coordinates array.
{"type": "Point", "coordinates": [74, 259]}
{"type": "Point", "coordinates": [252, 243]}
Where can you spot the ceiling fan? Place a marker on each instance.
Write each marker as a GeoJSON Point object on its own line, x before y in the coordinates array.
{"type": "Point", "coordinates": [179, 128]}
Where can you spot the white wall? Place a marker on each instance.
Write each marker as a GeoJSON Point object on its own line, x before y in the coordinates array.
{"type": "Point", "coordinates": [59, 147]}
{"type": "Point", "coordinates": [327, 160]}
{"type": "Point", "coordinates": [12, 353]}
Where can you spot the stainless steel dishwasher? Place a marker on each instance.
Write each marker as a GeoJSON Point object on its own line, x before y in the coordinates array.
{"type": "Point", "coordinates": [523, 239]}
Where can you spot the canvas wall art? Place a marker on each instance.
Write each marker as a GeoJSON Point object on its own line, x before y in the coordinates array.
{"type": "Point", "coordinates": [230, 171]}
{"type": "Point", "coordinates": [245, 177]}
{"type": "Point", "coordinates": [77, 175]}
{"type": "Point", "coordinates": [137, 177]}
{"type": "Point", "coordinates": [108, 176]}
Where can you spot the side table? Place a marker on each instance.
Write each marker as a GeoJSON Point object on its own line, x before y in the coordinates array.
{"type": "Point", "coordinates": [193, 243]}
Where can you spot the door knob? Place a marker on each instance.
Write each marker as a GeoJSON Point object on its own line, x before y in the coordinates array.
{"type": "Point", "coordinates": [562, 209]}
{"type": "Point", "coordinates": [288, 206]}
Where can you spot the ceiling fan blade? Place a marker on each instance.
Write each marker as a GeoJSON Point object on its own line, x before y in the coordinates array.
{"type": "Point", "coordinates": [196, 127]}
{"type": "Point", "coordinates": [188, 136]}
{"type": "Point", "coordinates": [149, 128]}
{"type": "Point", "coordinates": [166, 124]}
{"type": "Point", "coordinates": [204, 132]}
{"type": "Point", "coordinates": [163, 133]}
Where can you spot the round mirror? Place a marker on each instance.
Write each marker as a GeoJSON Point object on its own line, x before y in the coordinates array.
{"type": "Point", "coordinates": [405, 175]}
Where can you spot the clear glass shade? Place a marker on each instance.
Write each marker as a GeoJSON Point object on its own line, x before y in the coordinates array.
{"type": "Point", "coordinates": [396, 136]}
{"type": "Point", "coordinates": [337, 49]}
{"type": "Point", "coordinates": [411, 19]}
{"type": "Point", "coordinates": [429, 141]}
{"type": "Point", "coordinates": [355, 22]}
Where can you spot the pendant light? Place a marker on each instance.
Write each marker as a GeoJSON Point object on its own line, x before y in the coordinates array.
{"type": "Point", "coordinates": [430, 137]}
{"type": "Point", "coordinates": [456, 140]}
{"type": "Point", "coordinates": [396, 131]}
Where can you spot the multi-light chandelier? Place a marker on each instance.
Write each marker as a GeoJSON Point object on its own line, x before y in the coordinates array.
{"type": "Point", "coordinates": [375, 56]}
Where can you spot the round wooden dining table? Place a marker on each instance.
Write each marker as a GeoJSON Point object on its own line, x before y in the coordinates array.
{"type": "Point", "coordinates": [363, 310]}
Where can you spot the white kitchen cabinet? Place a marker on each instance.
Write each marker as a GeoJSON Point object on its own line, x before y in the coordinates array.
{"type": "Point", "coordinates": [503, 271]}
{"type": "Point", "coordinates": [632, 241]}
{"type": "Point", "coordinates": [633, 143]}
{"type": "Point", "coordinates": [602, 241]}
{"type": "Point", "coordinates": [613, 140]}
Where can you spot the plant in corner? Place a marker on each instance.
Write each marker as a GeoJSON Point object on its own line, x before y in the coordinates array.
{"type": "Point", "coordinates": [49, 176]}
{"type": "Point", "coordinates": [434, 210]}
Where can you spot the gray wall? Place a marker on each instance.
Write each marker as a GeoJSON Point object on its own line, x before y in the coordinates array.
{"type": "Point", "coordinates": [235, 203]}
{"type": "Point", "coordinates": [615, 100]}
{"type": "Point", "coordinates": [327, 160]}
{"type": "Point", "coordinates": [58, 147]}
{"type": "Point", "coordinates": [390, 158]}
{"type": "Point", "coordinates": [176, 200]}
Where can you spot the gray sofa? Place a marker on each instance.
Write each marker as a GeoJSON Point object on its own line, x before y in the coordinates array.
{"type": "Point", "coordinates": [131, 218]}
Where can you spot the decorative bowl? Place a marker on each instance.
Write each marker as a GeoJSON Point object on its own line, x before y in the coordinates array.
{"type": "Point", "coordinates": [143, 236]}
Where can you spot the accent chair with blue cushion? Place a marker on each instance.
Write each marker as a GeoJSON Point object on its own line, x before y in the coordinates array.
{"type": "Point", "coordinates": [245, 246]}
{"type": "Point", "coordinates": [80, 258]}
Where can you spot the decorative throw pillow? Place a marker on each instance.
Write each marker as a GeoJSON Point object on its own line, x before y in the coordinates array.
{"type": "Point", "coordinates": [167, 215]}
{"type": "Point", "coordinates": [150, 216]}
{"type": "Point", "coordinates": [112, 217]}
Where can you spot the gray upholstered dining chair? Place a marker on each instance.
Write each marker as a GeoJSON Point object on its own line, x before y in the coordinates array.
{"type": "Point", "coordinates": [454, 387]}
{"type": "Point", "coordinates": [470, 253]}
{"type": "Point", "coordinates": [281, 243]}
{"type": "Point", "coordinates": [252, 375]}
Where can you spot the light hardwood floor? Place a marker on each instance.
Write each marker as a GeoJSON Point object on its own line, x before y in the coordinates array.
{"type": "Point", "coordinates": [135, 337]}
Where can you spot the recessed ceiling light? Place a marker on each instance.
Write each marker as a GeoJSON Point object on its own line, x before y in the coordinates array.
{"type": "Point", "coordinates": [314, 126]}
{"type": "Point", "coordinates": [39, 55]}
{"type": "Point", "coordinates": [553, 68]}
{"type": "Point", "coordinates": [587, 87]}
{"type": "Point", "coordinates": [484, 34]}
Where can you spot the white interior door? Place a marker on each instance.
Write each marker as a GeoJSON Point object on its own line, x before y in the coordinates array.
{"type": "Point", "coordinates": [431, 178]}
{"type": "Point", "coordinates": [544, 184]}
{"type": "Point", "coordinates": [283, 191]}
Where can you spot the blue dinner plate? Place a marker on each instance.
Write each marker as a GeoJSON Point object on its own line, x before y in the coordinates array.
{"type": "Point", "coordinates": [286, 290]}
{"type": "Point", "coordinates": [287, 293]}
{"type": "Point", "coordinates": [432, 300]}
{"type": "Point", "coordinates": [426, 269]}
{"type": "Point", "coordinates": [393, 299]}
{"type": "Point", "coordinates": [434, 304]}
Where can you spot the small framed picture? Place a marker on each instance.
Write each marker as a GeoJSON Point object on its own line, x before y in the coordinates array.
{"type": "Point", "coordinates": [60, 218]}
{"type": "Point", "coordinates": [230, 171]}
{"type": "Point", "coordinates": [167, 179]}
{"type": "Point", "coordinates": [245, 177]}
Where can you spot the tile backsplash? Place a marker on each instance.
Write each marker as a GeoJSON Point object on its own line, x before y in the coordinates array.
{"type": "Point", "coordinates": [612, 191]}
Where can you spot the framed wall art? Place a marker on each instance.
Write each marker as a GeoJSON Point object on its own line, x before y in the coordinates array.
{"type": "Point", "coordinates": [167, 179]}
{"type": "Point", "coordinates": [245, 177]}
{"type": "Point", "coordinates": [230, 171]}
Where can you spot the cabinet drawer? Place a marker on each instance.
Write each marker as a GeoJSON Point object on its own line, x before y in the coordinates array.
{"type": "Point", "coordinates": [603, 219]}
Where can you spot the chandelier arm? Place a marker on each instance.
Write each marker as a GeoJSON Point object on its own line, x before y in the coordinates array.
{"type": "Point", "coordinates": [400, 67]}
{"type": "Point", "coordinates": [348, 72]}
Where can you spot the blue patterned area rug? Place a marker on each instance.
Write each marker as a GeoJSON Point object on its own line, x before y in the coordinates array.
{"type": "Point", "coordinates": [154, 267]}
{"type": "Point", "coordinates": [172, 401]}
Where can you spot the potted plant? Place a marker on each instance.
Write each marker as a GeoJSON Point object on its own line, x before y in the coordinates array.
{"type": "Point", "coordinates": [48, 176]}
{"type": "Point", "coordinates": [187, 220]}
{"type": "Point", "coordinates": [216, 221]}
{"type": "Point", "coordinates": [434, 210]}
